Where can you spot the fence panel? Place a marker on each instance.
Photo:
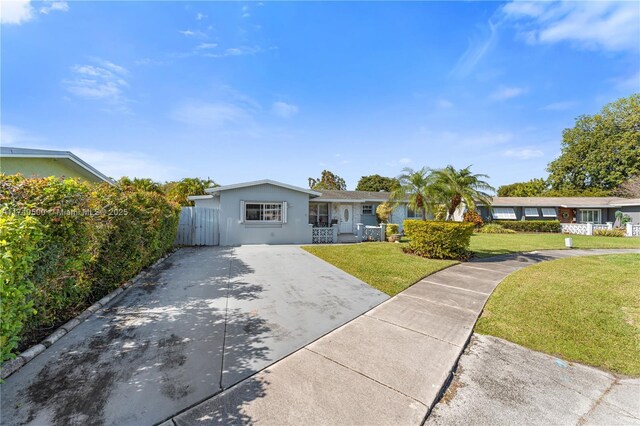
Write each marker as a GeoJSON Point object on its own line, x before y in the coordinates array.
{"type": "Point", "coordinates": [198, 226]}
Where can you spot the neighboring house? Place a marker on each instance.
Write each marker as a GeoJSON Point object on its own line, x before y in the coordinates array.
{"type": "Point", "coordinates": [565, 209]}
{"type": "Point", "coordinates": [270, 212]}
{"type": "Point", "coordinates": [44, 163]}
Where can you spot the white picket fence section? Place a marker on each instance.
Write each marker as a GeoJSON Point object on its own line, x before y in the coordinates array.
{"type": "Point", "coordinates": [630, 229]}
{"type": "Point", "coordinates": [198, 226]}
{"type": "Point", "coordinates": [635, 230]}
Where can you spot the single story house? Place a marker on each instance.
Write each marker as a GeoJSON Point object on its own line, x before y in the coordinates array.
{"type": "Point", "coordinates": [45, 163]}
{"type": "Point", "coordinates": [596, 210]}
{"type": "Point", "coordinates": [270, 212]}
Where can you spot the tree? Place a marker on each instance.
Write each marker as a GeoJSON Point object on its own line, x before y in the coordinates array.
{"type": "Point", "coordinates": [328, 181]}
{"type": "Point", "coordinates": [455, 186]}
{"type": "Point", "coordinates": [383, 212]}
{"type": "Point", "coordinates": [144, 184]}
{"type": "Point", "coordinates": [377, 183]}
{"type": "Point", "coordinates": [416, 187]}
{"type": "Point", "coordinates": [601, 151]}
{"type": "Point", "coordinates": [530, 188]}
{"type": "Point", "coordinates": [629, 189]}
{"type": "Point", "coordinates": [179, 191]}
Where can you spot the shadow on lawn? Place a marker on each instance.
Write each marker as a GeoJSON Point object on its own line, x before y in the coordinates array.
{"type": "Point", "coordinates": [162, 340]}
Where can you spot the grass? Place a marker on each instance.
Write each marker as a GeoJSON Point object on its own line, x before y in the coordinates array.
{"type": "Point", "coordinates": [583, 309]}
{"type": "Point", "coordinates": [382, 265]}
{"type": "Point", "coordinates": [485, 245]}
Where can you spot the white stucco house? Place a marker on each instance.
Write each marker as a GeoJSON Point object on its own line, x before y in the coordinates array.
{"type": "Point", "coordinates": [270, 212]}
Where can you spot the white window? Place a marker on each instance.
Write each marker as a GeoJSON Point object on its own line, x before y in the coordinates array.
{"type": "Point", "coordinates": [531, 212]}
{"type": "Point", "coordinates": [589, 215]}
{"type": "Point", "coordinates": [367, 209]}
{"type": "Point", "coordinates": [263, 212]}
{"type": "Point", "coordinates": [548, 212]}
{"type": "Point", "coordinates": [503, 213]}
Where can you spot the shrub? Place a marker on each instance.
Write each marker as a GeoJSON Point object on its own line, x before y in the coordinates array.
{"type": "Point", "coordinates": [19, 238]}
{"type": "Point", "coordinates": [473, 217]}
{"type": "Point", "coordinates": [392, 228]}
{"type": "Point", "coordinates": [95, 236]}
{"type": "Point", "coordinates": [439, 240]}
{"type": "Point", "coordinates": [531, 225]}
{"type": "Point", "coordinates": [494, 228]}
{"type": "Point", "coordinates": [383, 212]}
{"type": "Point", "coordinates": [609, 232]}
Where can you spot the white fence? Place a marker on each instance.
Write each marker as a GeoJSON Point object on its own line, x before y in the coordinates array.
{"type": "Point", "coordinates": [588, 228]}
{"type": "Point", "coordinates": [198, 226]}
{"type": "Point", "coordinates": [326, 235]}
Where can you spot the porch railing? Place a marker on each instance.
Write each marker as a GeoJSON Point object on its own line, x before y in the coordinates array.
{"type": "Point", "coordinates": [324, 235]}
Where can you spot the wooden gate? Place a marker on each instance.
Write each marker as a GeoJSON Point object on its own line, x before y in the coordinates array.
{"type": "Point", "coordinates": [198, 226]}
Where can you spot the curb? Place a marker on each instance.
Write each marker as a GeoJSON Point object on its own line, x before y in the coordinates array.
{"type": "Point", "coordinates": [11, 366]}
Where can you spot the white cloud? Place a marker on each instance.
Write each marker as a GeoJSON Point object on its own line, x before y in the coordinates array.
{"type": "Point", "coordinates": [404, 161]}
{"type": "Point", "coordinates": [559, 106]}
{"type": "Point", "coordinates": [234, 51]}
{"type": "Point", "coordinates": [611, 26]}
{"type": "Point", "coordinates": [628, 83]}
{"type": "Point", "coordinates": [200, 16]}
{"type": "Point", "coordinates": [58, 5]}
{"type": "Point", "coordinates": [284, 110]}
{"type": "Point", "coordinates": [477, 49]}
{"type": "Point", "coordinates": [15, 12]}
{"type": "Point", "coordinates": [104, 81]}
{"type": "Point", "coordinates": [125, 163]}
{"type": "Point", "coordinates": [480, 140]}
{"type": "Point", "coordinates": [522, 153]}
{"type": "Point", "coordinates": [505, 93]}
{"type": "Point", "coordinates": [245, 11]}
{"type": "Point", "coordinates": [216, 115]}
{"type": "Point", "coordinates": [191, 33]}
{"type": "Point", "coordinates": [202, 46]}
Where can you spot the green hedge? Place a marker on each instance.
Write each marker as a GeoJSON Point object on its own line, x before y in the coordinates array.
{"type": "Point", "coordinates": [494, 228]}
{"type": "Point", "coordinates": [94, 237]}
{"type": "Point", "coordinates": [609, 232]}
{"type": "Point", "coordinates": [531, 225]}
{"type": "Point", "coordinates": [439, 240]}
{"type": "Point", "coordinates": [19, 238]}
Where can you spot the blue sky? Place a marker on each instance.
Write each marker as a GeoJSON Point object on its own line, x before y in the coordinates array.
{"type": "Point", "coordinates": [282, 90]}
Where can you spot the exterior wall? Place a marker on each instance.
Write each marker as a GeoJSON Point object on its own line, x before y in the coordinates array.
{"type": "Point", "coordinates": [485, 212]}
{"type": "Point", "coordinates": [632, 211]}
{"type": "Point", "coordinates": [398, 215]}
{"type": "Point", "coordinates": [368, 219]}
{"type": "Point", "coordinates": [209, 203]}
{"type": "Point", "coordinates": [45, 167]}
{"type": "Point", "coordinates": [296, 231]}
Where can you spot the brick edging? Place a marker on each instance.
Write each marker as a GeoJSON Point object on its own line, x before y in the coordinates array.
{"type": "Point", "coordinates": [11, 366]}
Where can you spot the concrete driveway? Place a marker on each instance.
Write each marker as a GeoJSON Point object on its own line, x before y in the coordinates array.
{"type": "Point", "coordinates": [206, 319]}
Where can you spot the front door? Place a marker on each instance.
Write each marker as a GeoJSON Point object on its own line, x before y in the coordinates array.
{"type": "Point", "coordinates": [346, 218]}
{"type": "Point", "coordinates": [566, 215]}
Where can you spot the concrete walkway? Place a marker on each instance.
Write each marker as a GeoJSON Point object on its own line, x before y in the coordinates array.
{"type": "Point", "coordinates": [386, 367]}
{"type": "Point", "coordinates": [500, 383]}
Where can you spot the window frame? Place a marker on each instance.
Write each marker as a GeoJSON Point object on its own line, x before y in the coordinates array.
{"type": "Point", "coordinates": [548, 209]}
{"type": "Point", "coordinates": [370, 206]}
{"type": "Point", "coordinates": [416, 214]}
{"type": "Point", "coordinates": [318, 215]}
{"type": "Point", "coordinates": [503, 211]}
{"type": "Point", "coordinates": [582, 211]}
{"type": "Point", "coordinates": [281, 208]}
{"type": "Point", "coordinates": [528, 210]}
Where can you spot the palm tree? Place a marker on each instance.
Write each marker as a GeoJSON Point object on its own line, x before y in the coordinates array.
{"type": "Point", "coordinates": [415, 187]}
{"type": "Point", "coordinates": [455, 186]}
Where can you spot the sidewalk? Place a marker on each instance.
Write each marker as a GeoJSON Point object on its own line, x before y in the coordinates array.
{"type": "Point", "coordinates": [388, 366]}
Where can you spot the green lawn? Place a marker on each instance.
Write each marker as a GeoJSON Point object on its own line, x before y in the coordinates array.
{"type": "Point", "coordinates": [485, 245]}
{"type": "Point", "coordinates": [584, 309]}
{"type": "Point", "coordinates": [382, 265]}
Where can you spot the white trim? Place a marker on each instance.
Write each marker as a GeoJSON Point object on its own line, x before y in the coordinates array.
{"type": "Point", "coordinates": [261, 182]}
{"type": "Point", "coordinates": [531, 212]}
{"type": "Point", "coordinates": [199, 197]}
{"type": "Point", "coordinates": [503, 213]}
{"type": "Point", "coordinates": [285, 206]}
{"type": "Point", "coordinates": [281, 204]}
{"type": "Point", "coordinates": [580, 211]}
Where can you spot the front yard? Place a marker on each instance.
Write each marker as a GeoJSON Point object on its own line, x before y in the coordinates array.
{"type": "Point", "coordinates": [381, 265]}
{"type": "Point", "coordinates": [584, 309]}
{"type": "Point", "coordinates": [485, 245]}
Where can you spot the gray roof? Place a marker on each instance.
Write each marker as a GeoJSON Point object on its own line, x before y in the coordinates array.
{"type": "Point", "coordinates": [6, 151]}
{"type": "Point", "coordinates": [216, 189]}
{"type": "Point", "coordinates": [360, 196]}
{"type": "Point", "coordinates": [602, 202]}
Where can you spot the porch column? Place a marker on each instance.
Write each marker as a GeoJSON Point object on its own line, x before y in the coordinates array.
{"type": "Point", "coordinates": [609, 225]}
{"type": "Point", "coordinates": [383, 232]}
{"type": "Point", "coordinates": [629, 229]}
{"type": "Point", "coordinates": [360, 234]}
{"type": "Point", "coordinates": [589, 228]}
